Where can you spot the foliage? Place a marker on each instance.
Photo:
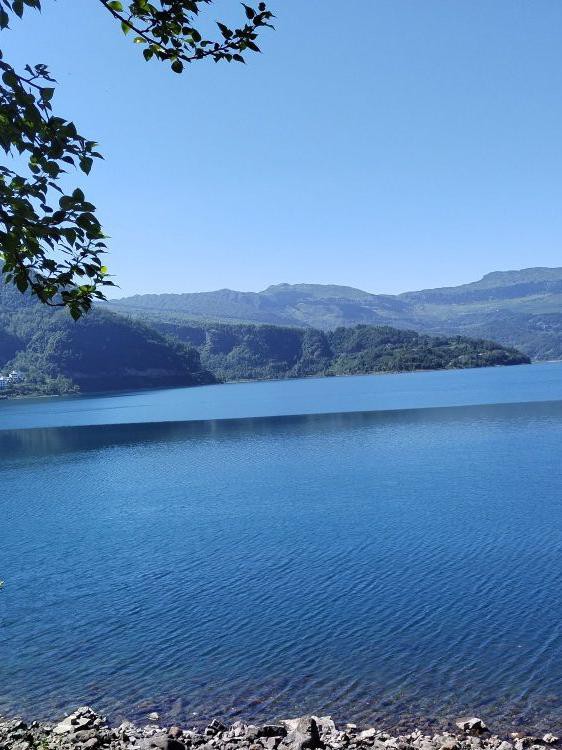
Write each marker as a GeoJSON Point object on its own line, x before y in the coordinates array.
{"type": "Point", "coordinates": [166, 31]}
{"type": "Point", "coordinates": [250, 352]}
{"type": "Point", "coordinates": [101, 352]}
{"type": "Point", "coordinates": [51, 241]}
{"type": "Point", "coordinates": [105, 351]}
{"type": "Point", "coordinates": [517, 308]}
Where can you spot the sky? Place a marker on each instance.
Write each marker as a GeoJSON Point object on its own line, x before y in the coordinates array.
{"type": "Point", "coordinates": [389, 145]}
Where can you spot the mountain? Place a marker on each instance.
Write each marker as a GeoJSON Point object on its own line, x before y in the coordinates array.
{"type": "Point", "coordinates": [106, 351]}
{"type": "Point", "coordinates": [251, 352]}
{"type": "Point", "coordinates": [522, 309]}
{"type": "Point", "coordinates": [100, 352]}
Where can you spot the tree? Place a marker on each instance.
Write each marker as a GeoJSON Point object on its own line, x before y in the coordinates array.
{"type": "Point", "coordinates": [51, 242]}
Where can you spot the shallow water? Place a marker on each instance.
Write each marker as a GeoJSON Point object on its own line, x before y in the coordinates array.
{"type": "Point", "coordinates": [396, 566]}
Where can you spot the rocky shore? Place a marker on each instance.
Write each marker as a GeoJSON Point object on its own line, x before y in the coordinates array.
{"type": "Point", "coordinates": [87, 730]}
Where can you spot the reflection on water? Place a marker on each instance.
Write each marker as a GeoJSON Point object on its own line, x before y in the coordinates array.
{"type": "Point", "coordinates": [420, 390]}
{"type": "Point", "coordinates": [22, 444]}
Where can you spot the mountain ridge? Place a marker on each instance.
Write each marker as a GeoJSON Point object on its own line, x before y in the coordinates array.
{"type": "Point", "coordinates": [523, 308]}
{"type": "Point", "coordinates": [107, 351]}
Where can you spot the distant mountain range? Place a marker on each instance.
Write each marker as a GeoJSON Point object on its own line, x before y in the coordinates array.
{"type": "Point", "coordinates": [522, 309]}
{"type": "Point", "coordinates": [108, 351]}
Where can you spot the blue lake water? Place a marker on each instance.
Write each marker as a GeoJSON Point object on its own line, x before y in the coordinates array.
{"type": "Point", "coordinates": [385, 549]}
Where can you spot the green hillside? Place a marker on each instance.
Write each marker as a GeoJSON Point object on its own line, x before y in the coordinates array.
{"type": "Point", "coordinates": [101, 352]}
{"type": "Point", "coordinates": [105, 351]}
{"type": "Point", "coordinates": [516, 308]}
{"type": "Point", "coordinates": [249, 352]}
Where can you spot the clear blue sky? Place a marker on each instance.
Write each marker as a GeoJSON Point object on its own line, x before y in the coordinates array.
{"type": "Point", "coordinates": [384, 144]}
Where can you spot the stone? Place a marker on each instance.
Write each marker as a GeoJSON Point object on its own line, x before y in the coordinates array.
{"type": "Point", "coordinates": [215, 727]}
{"type": "Point", "coordinates": [153, 716]}
{"type": "Point", "coordinates": [302, 735]}
{"type": "Point", "coordinates": [550, 739]}
{"type": "Point", "coordinates": [83, 735]}
{"type": "Point", "coordinates": [161, 741]}
{"type": "Point", "coordinates": [521, 743]}
{"type": "Point", "coordinates": [272, 730]}
{"type": "Point", "coordinates": [450, 744]}
{"type": "Point", "coordinates": [82, 718]}
{"type": "Point", "coordinates": [471, 725]}
{"type": "Point", "coordinates": [367, 734]}
{"type": "Point", "coordinates": [175, 732]}
{"type": "Point", "coordinates": [326, 724]}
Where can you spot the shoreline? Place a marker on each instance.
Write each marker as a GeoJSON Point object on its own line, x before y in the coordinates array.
{"type": "Point", "coordinates": [244, 381]}
{"type": "Point", "coordinates": [85, 729]}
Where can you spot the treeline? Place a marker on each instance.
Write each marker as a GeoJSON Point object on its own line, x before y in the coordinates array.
{"type": "Point", "coordinates": [105, 351]}
{"type": "Point", "coordinates": [252, 352]}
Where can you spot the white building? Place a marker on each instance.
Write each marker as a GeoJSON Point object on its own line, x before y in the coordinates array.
{"type": "Point", "coordinates": [7, 380]}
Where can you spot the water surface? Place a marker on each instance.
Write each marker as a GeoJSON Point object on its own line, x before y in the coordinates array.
{"type": "Point", "coordinates": [398, 566]}
{"type": "Point", "coordinates": [538, 382]}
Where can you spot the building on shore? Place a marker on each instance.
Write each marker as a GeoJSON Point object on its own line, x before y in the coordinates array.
{"type": "Point", "coordinates": [11, 379]}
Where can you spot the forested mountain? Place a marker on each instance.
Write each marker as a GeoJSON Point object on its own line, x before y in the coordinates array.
{"type": "Point", "coordinates": [105, 351]}
{"type": "Point", "coordinates": [517, 308]}
{"type": "Point", "coordinates": [100, 352]}
{"type": "Point", "coordinates": [249, 352]}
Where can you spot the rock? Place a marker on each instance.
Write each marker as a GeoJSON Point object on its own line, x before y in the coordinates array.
{"type": "Point", "coordinates": [521, 743]}
{"type": "Point", "coordinates": [450, 744]}
{"type": "Point", "coordinates": [238, 729]}
{"type": "Point", "coordinates": [83, 735]}
{"type": "Point", "coordinates": [153, 716]}
{"type": "Point", "coordinates": [175, 732]}
{"type": "Point", "coordinates": [83, 718]}
{"type": "Point", "coordinates": [91, 744]}
{"type": "Point", "coordinates": [272, 730]}
{"type": "Point", "coordinates": [550, 739]}
{"type": "Point", "coordinates": [302, 735]}
{"type": "Point", "coordinates": [125, 730]}
{"type": "Point", "coordinates": [161, 741]}
{"type": "Point", "coordinates": [367, 734]}
{"type": "Point", "coordinates": [472, 725]}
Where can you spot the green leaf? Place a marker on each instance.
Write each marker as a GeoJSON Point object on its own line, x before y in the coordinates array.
{"type": "Point", "coordinates": [86, 164]}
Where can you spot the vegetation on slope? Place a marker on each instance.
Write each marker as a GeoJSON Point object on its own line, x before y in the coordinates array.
{"type": "Point", "coordinates": [516, 308]}
{"type": "Point", "coordinates": [249, 352]}
{"type": "Point", "coordinates": [100, 352]}
{"type": "Point", "coordinates": [104, 351]}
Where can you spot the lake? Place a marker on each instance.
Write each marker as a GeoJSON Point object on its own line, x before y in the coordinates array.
{"type": "Point", "coordinates": [380, 548]}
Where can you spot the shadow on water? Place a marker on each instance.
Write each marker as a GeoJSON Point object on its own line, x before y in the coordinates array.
{"type": "Point", "coordinates": [51, 441]}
